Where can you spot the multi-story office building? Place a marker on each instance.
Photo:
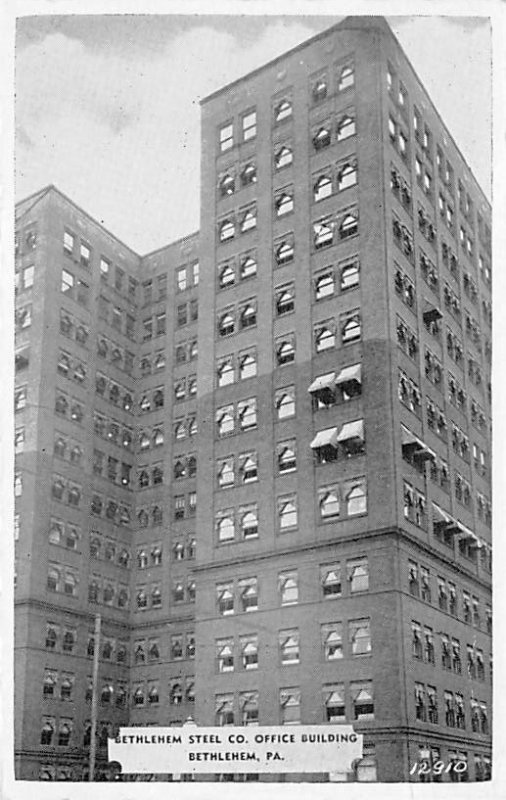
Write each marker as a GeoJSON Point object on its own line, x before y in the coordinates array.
{"type": "Point", "coordinates": [337, 567]}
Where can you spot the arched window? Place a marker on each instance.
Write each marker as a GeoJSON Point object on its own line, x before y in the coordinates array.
{"type": "Point", "coordinates": [142, 559]}
{"type": "Point", "coordinates": [60, 447]}
{"type": "Point", "coordinates": [325, 339]}
{"type": "Point", "coordinates": [350, 276]}
{"type": "Point", "coordinates": [322, 188]}
{"type": "Point", "coordinates": [157, 515]}
{"type": "Point", "coordinates": [249, 174]}
{"type": "Point", "coordinates": [158, 398]}
{"type": "Point", "coordinates": [324, 286]}
{"type": "Point", "coordinates": [283, 157]}
{"type": "Point", "coordinates": [139, 696]}
{"type": "Point", "coordinates": [157, 476]}
{"type": "Point", "coordinates": [285, 353]}
{"type": "Point", "coordinates": [46, 734]}
{"type": "Point", "coordinates": [226, 372]}
{"type": "Point", "coordinates": [287, 460]}
{"type": "Point", "coordinates": [346, 78]}
{"type": "Point", "coordinates": [249, 220]}
{"type": "Point", "coordinates": [284, 204]}
{"type": "Point", "coordinates": [345, 128]}
{"type": "Point", "coordinates": [356, 500]}
{"type": "Point", "coordinates": [143, 479]}
{"type": "Point", "coordinates": [143, 519]}
{"type": "Point", "coordinates": [249, 524]}
{"type": "Point", "coordinates": [285, 302]}
{"type": "Point", "coordinates": [74, 496]}
{"type": "Point", "coordinates": [226, 529]}
{"type": "Point", "coordinates": [226, 230]}
{"type": "Point", "coordinates": [321, 138]}
{"type": "Point", "coordinates": [76, 454]}
{"type": "Point", "coordinates": [226, 324]}
{"type": "Point", "coordinates": [106, 695]}
{"type": "Point", "coordinates": [247, 367]}
{"type": "Point", "coordinates": [329, 504]}
{"type": "Point", "coordinates": [108, 594]}
{"type": "Point", "coordinates": [57, 489]}
{"type": "Point", "coordinates": [347, 176]}
{"type": "Point", "coordinates": [288, 515]}
{"type": "Point", "coordinates": [227, 276]}
{"type": "Point", "coordinates": [156, 555]}
{"type": "Point", "coordinates": [284, 253]}
{"type": "Point", "coordinates": [283, 110]}
{"type": "Point", "coordinates": [156, 597]}
{"type": "Point", "coordinates": [226, 423]}
{"type": "Point", "coordinates": [176, 694]}
{"type": "Point", "coordinates": [227, 185]}
{"type": "Point", "coordinates": [348, 226]}
{"type": "Point", "coordinates": [352, 330]}
{"type": "Point", "coordinates": [179, 469]}
{"type": "Point", "coordinates": [323, 234]}
{"type": "Point", "coordinates": [319, 90]}
{"type": "Point", "coordinates": [192, 548]}
{"type": "Point", "coordinates": [192, 466]}
{"type": "Point", "coordinates": [141, 599]}
{"type": "Point", "coordinates": [285, 406]}
{"type": "Point", "coordinates": [178, 551]}
{"type": "Point", "coordinates": [248, 267]}
{"type": "Point", "coordinates": [248, 316]}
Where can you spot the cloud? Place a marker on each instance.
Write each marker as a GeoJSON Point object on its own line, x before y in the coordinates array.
{"type": "Point", "coordinates": [122, 135]}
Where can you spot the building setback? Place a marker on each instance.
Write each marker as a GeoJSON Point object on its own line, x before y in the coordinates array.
{"type": "Point", "coordinates": [334, 390]}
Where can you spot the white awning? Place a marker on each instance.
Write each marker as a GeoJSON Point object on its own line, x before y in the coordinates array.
{"type": "Point", "coordinates": [440, 516]}
{"type": "Point", "coordinates": [352, 430]}
{"type": "Point", "coordinates": [325, 438]}
{"type": "Point", "coordinates": [353, 373]}
{"type": "Point", "coordinates": [326, 381]}
{"type": "Point", "coordinates": [467, 533]}
{"type": "Point", "coordinates": [420, 449]}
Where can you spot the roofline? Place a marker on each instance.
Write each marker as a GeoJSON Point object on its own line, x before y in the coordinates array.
{"type": "Point", "coordinates": [275, 60]}
{"type": "Point", "coordinates": [51, 187]}
{"type": "Point", "coordinates": [171, 244]}
{"type": "Point", "coordinates": [380, 23]}
{"type": "Point", "coordinates": [440, 118]}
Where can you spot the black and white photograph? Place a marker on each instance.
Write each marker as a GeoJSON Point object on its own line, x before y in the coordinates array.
{"type": "Point", "coordinates": [252, 506]}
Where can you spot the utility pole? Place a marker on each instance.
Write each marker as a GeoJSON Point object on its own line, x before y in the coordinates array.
{"type": "Point", "coordinates": [94, 699]}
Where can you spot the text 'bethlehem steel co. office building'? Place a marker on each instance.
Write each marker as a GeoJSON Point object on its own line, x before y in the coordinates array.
{"type": "Point", "coordinates": [336, 567]}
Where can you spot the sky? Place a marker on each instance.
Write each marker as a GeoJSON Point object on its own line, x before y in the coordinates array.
{"type": "Point", "coordinates": [107, 106]}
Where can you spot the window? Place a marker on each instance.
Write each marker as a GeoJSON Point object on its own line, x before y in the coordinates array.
{"type": "Point", "coordinates": [335, 709]}
{"type": "Point", "coordinates": [248, 266]}
{"type": "Point", "coordinates": [225, 655]}
{"type": "Point", "coordinates": [324, 285]}
{"type": "Point", "coordinates": [286, 456]}
{"type": "Point", "coordinates": [288, 588]}
{"type": "Point", "coordinates": [226, 137]}
{"type": "Point", "coordinates": [325, 337]}
{"type": "Point", "coordinates": [363, 702]}
{"type": "Point", "coordinates": [288, 641]}
{"type": "Point", "coordinates": [350, 275]}
{"type": "Point", "coordinates": [248, 589]}
{"type": "Point", "coordinates": [248, 468]}
{"type": "Point", "coordinates": [226, 187]}
{"type": "Point", "coordinates": [321, 138]}
{"type": "Point", "coordinates": [330, 576]}
{"type": "Point", "coordinates": [323, 233]}
{"type": "Point", "coordinates": [289, 701]}
{"type": "Point", "coordinates": [285, 402]}
{"type": "Point", "coordinates": [84, 255]}
{"type": "Point", "coordinates": [287, 513]}
{"type": "Point", "coordinates": [347, 176]}
{"type": "Point", "coordinates": [346, 77]}
{"type": "Point", "coordinates": [225, 526]}
{"type": "Point", "coordinates": [225, 420]}
{"type": "Point", "coordinates": [247, 414]}
{"type": "Point", "coordinates": [346, 127]}
{"type": "Point", "coordinates": [249, 174]}
{"type": "Point", "coordinates": [226, 230]}
{"type": "Point", "coordinates": [358, 574]}
{"type": "Point", "coordinates": [349, 225]}
{"type": "Point", "coordinates": [247, 365]}
{"type": "Point", "coordinates": [67, 281]}
{"type": "Point", "coordinates": [359, 634]}
{"type": "Point", "coordinates": [351, 330]}
{"type": "Point", "coordinates": [226, 324]}
{"type": "Point", "coordinates": [283, 157]}
{"type": "Point", "coordinates": [332, 641]}
{"type": "Point", "coordinates": [249, 521]}
{"type": "Point", "coordinates": [322, 188]}
{"type": "Point", "coordinates": [248, 315]}
{"type": "Point", "coordinates": [283, 110]}
{"type": "Point", "coordinates": [249, 125]}
{"type": "Point", "coordinates": [284, 250]}
{"type": "Point", "coordinates": [249, 651]}
{"type": "Point", "coordinates": [285, 351]}
{"type": "Point", "coordinates": [225, 599]}
{"type": "Point", "coordinates": [248, 219]}
{"type": "Point", "coordinates": [284, 203]}
{"type": "Point", "coordinates": [285, 300]}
